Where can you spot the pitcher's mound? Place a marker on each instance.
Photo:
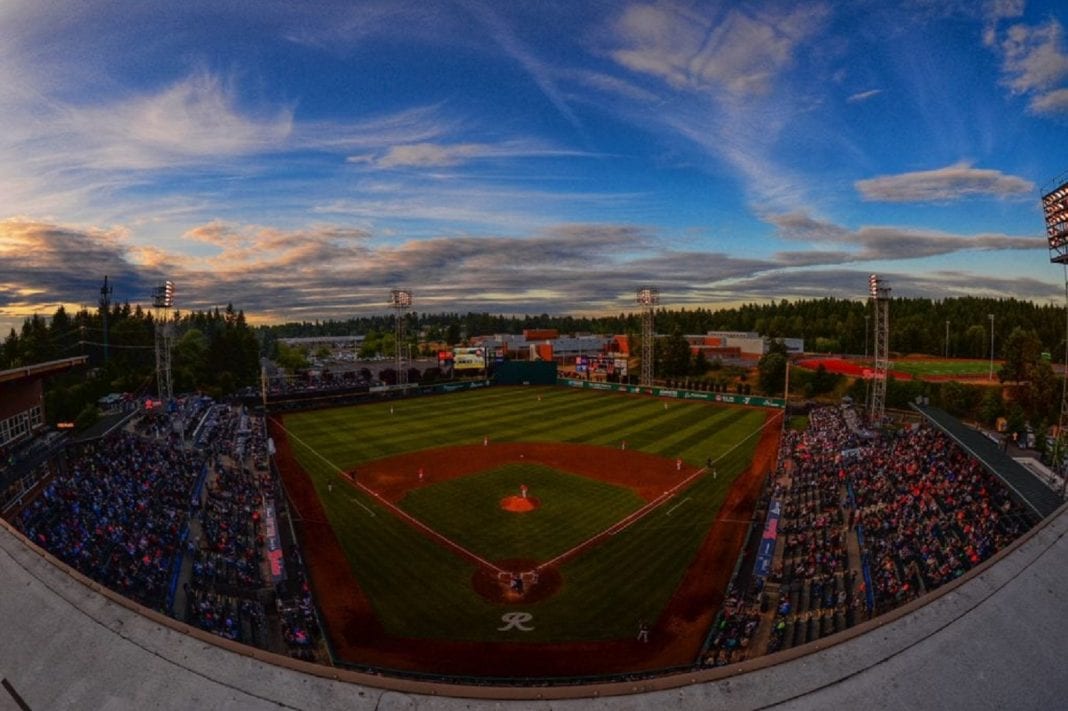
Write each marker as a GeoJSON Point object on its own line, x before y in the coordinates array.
{"type": "Point", "coordinates": [518, 504]}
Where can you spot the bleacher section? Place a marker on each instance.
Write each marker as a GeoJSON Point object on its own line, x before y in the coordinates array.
{"type": "Point", "coordinates": [1023, 483]}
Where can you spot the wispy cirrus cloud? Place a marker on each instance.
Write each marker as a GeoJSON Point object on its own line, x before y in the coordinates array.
{"type": "Point", "coordinates": [862, 96]}
{"type": "Point", "coordinates": [191, 120]}
{"type": "Point", "coordinates": [853, 283]}
{"type": "Point", "coordinates": [954, 182]}
{"type": "Point", "coordinates": [541, 72]}
{"type": "Point", "coordinates": [441, 155]}
{"type": "Point", "coordinates": [717, 65]}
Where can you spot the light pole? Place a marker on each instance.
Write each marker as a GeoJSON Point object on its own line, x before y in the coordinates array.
{"type": "Point", "coordinates": [947, 338]}
{"type": "Point", "coordinates": [867, 317]}
{"type": "Point", "coordinates": [991, 317]}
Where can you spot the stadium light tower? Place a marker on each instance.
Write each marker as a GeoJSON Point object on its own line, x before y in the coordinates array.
{"type": "Point", "coordinates": [1055, 211]}
{"type": "Point", "coordinates": [648, 297]}
{"type": "Point", "coordinates": [879, 292]}
{"type": "Point", "coordinates": [162, 303]}
{"type": "Point", "coordinates": [105, 307]}
{"type": "Point", "coordinates": [401, 301]}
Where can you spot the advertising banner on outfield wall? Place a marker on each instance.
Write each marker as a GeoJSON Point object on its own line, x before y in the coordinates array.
{"type": "Point", "coordinates": [725, 398]}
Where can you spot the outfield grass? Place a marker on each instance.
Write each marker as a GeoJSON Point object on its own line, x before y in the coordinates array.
{"type": "Point", "coordinates": [420, 589]}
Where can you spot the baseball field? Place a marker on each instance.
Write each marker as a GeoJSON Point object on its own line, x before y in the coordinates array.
{"type": "Point", "coordinates": [522, 531]}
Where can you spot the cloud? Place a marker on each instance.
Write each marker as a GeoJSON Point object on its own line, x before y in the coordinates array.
{"type": "Point", "coordinates": [192, 120]}
{"type": "Point", "coordinates": [845, 283]}
{"type": "Point", "coordinates": [799, 225]}
{"type": "Point", "coordinates": [64, 264]}
{"type": "Point", "coordinates": [332, 271]}
{"type": "Point", "coordinates": [996, 10]}
{"type": "Point", "coordinates": [1035, 64]}
{"type": "Point", "coordinates": [863, 96]}
{"type": "Point", "coordinates": [1051, 102]}
{"type": "Point", "coordinates": [614, 85]}
{"type": "Point", "coordinates": [740, 50]}
{"type": "Point", "coordinates": [440, 155]}
{"type": "Point", "coordinates": [874, 243]}
{"type": "Point", "coordinates": [953, 182]}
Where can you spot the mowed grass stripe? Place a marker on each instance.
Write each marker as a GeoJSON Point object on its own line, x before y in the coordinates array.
{"type": "Point", "coordinates": [363, 433]}
{"type": "Point", "coordinates": [525, 420]}
{"type": "Point", "coordinates": [380, 434]}
{"type": "Point", "coordinates": [609, 431]}
{"type": "Point", "coordinates": [695, 444]}
{"type": "Point", "coordinates": [421, 589]}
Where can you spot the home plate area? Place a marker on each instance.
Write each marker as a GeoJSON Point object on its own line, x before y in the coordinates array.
{"type": "Point", "coordinates": [516, 581]}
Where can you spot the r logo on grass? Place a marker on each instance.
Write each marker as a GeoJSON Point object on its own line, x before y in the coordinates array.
{"type": "Point", "coordinates": [517, 621]}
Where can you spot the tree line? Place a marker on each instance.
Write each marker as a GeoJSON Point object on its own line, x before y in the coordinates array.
{"type": "Point", "coordinates": [215, 352]}
{"type": "Point", "coordinates": [827, 325]}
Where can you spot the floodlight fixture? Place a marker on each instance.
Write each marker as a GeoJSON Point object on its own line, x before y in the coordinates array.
{"type": "Point", "coordinates": [400, 299]}
{"type": "Point", "coordinates": [163, 295]}
{"type": "Point", "coordinates": [873, 286]}
{"type": "Point", "coordinates": [1055, 210]}
{"type": "Point", "coordinates": [648, 296]}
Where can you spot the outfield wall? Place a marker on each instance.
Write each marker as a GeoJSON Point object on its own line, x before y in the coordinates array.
{"type": "Point", "coordinates": [327, 399]}
{"type": "Point", "coordinates": [777, 403]}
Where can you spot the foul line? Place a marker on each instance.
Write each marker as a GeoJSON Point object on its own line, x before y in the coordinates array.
{"type": "Point", "coordinates": [311, 449]}
{"type": "Point", "coordinates": [449, 543]}
{"type": "Point", "coordinates": [419, 524]}
{"type": "Point", "coordinates": [648, 508]}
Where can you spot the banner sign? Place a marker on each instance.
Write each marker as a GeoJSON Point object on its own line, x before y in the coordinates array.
{"type": "Point", "coordinates": [766, 550]}
{"type": "Point", "coordinates": [468, 358]}
{"type": "Point", "coordinates": [725, 398]}
{"type": "Point", "coordinates": [274, 543]}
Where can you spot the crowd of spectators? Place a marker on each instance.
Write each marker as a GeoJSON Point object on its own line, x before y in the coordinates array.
{"type": "Point", "coordinates": [227, 576]}
{"type": "Point", "coordinates": [191, 486]}
{"type": "Point", "coordinates": [735, 626]}
{"type": "Point", "coordinates": [814, 578]}
{"type": "Point", "coordinates": [119, 514]}
{"type": "Point", "coordinates": [928, 512]}
{"type": "Point", "coordinates": [300, 625]}
{"type": "Point", "coordinates": [917, 509]}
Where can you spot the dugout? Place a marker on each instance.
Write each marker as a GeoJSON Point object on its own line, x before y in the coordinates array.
{"type": "Point", "coordinates": [525, 372]}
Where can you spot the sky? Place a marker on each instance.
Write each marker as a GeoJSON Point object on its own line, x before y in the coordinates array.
{"type": "Point", "coordinates": [301, 160]}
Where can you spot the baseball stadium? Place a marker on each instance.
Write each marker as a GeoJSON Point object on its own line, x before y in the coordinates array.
{"type": "Point", "coordinates": [529, 540]}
